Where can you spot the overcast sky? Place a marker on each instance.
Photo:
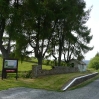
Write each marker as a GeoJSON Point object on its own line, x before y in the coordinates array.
{"type": "Point", "coordinates": [93, 23]}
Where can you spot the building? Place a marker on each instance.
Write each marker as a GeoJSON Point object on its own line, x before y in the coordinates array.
{"type": "Point", "coordinates": [80, 64]}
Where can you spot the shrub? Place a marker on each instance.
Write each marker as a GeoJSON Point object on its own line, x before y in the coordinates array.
{"type": "Point", "coordinates": [94, 63]}
{"type": "Point", "coordinates": [25, 74]}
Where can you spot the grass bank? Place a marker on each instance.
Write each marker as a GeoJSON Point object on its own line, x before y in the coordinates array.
{"type": "Point", "coordinates": [85, 83]}
{"type": "Point", "coordinates": [52, 82]}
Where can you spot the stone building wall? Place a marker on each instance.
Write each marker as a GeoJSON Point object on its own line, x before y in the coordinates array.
{"type": "Point", "coordinates": [36, 72]}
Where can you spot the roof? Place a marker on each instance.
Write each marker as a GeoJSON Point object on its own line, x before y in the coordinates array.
{"type": "Point", "coordinates": [77, 61]}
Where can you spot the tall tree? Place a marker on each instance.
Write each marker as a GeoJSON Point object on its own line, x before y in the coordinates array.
{"type": "Point", "coordinates": [36, 27]}
{"type": "Point", "coordinates": [51, 26]}
{"type": "Point", "coordinates": [4, 15]}
{"type": "Point", "coordinates": [7, 13]}
{"type": "Point", "coordinates": [76, 34]}
{"type": "Point", "coordinates": [70, 28]}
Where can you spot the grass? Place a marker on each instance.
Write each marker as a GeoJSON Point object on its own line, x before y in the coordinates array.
{"type": "Point", "coordinates": [51, 82]}
{"type": "Point", "coordinates": [1, 63]}
{"type": "Point", "coordinates": [46, 67]}
{"type": "Point", "coordinates": [24, 66]}
{"type": "Point", "coordinates": [85, 83]}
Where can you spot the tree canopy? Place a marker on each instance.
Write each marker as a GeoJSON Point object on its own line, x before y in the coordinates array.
{"type": "Point", "coordinates": [50, 27]}
{"type": "Point", "coordinates": [94, 62]}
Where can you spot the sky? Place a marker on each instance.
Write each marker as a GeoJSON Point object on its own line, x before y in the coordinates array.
{"type": "Point", "coordinates": [93, 23]}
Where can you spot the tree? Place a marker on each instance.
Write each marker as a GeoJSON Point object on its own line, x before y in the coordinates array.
{"type": "Point", "coordinates": [78, 34]}
{"type": "Point", "coordinates": [6, 35]}
{"type": "Point", "coordinates": [4, 12]}
{"type": "Point", "coordinates": [7, 8]}
{"type": "Point", "coordinates": [34, 28]}
{"type": "Point", "coordinates": [97, 54]}
{"type": "Point", "coordinates": [94, 63]}
{"type": "Point", "coordinates": [71, 35]}
{"type": "Point", "coordinates": [52, 27]}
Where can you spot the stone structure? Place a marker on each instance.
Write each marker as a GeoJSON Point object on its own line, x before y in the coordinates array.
{"type": "Point", "coordinates": [36, 72]}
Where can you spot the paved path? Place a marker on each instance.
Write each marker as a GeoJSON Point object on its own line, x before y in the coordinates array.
{"type": "Point", "coordinates": [90, 91]}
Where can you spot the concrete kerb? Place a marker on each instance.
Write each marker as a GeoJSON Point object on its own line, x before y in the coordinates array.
{"type": "Point", "coordinates": [78, 80]}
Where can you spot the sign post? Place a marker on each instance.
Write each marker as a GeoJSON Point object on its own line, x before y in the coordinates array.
{"type": "Point", "coordinates": [9, 66]}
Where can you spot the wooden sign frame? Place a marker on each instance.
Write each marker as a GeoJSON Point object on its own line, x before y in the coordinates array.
{"type": "Point", "coordinates": [9, 66]}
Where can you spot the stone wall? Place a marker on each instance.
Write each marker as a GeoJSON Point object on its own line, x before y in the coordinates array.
{"type": "Point", "coordinates": [36, 72]}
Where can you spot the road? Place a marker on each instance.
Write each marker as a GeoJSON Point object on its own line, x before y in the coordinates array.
{"type": "Point", "coordinates": [90, 91]}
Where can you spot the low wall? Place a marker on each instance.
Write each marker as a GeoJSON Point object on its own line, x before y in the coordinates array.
{"type": "Point", "coordinates": [79, 80]}
{"type": "Point", "coordinates": [56, 70]}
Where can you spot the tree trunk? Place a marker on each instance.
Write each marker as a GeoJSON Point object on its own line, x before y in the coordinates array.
{"type": "Point", "coordinates": [60, 52]}
{"type": "Point", "coordinates": [40, 62]}
{"type": "Point", "coordinates": [4, 52]}
{"type": "Point", "coordinates": [55, 61]}
{"type": "Point", "coordinates": [61, 43]}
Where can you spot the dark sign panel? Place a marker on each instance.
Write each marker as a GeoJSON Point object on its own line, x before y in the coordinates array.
{"type": "Point", "coordinates": [9, 66]}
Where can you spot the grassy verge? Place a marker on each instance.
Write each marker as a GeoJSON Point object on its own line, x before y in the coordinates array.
{"type": "Point", "coordinates": [52, 82]}
{"type": "Point", "coordinates": [85, 83]}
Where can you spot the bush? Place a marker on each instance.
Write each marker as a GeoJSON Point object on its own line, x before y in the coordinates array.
{"type": "Point", "coordinates": [0, 55]}
{"type": "Point", "coordinates": [94, 63]}
{"type": "Point", "coordinates": [63, 63]}
{"type": "Point", "coordinates": [25, 74]}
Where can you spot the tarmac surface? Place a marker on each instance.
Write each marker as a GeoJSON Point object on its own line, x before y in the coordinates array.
{"type": "Point", "coordinates": [90, 91]}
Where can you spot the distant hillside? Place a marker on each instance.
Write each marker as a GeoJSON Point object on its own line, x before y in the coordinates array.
{"type": "Point", "coordinates": [86, 61]}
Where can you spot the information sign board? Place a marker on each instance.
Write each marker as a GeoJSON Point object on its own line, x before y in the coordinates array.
{"type": "Point", "coordinates": [9, 66]}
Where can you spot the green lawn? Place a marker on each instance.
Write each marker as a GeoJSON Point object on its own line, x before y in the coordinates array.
{"type": "Point", "coordinates": [51, 82]}
{"type": "Point", "coordinates": [24, 66]}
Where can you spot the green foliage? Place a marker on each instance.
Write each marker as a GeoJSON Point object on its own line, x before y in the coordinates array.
{"type": "Point", "coordinates": [97, 54]}
{"type": "Point", "coordinates": [63, 63]}
{"type": "Point", "coordinates": [25, 74]}
{"type": "Point", "coordinates": [49, 62]}
{"type": "Point", "coordinates": [0, 55]}
{"type": "Point", "coordinates": [70, 64]}
{"type": "Point", "coordinates": [55, 27]}
{"type": "Point", "coordinates": [94, 63]}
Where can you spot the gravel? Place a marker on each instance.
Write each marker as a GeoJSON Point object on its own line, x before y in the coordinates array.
{"type": "Point", "coordinates": [90, 91]}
